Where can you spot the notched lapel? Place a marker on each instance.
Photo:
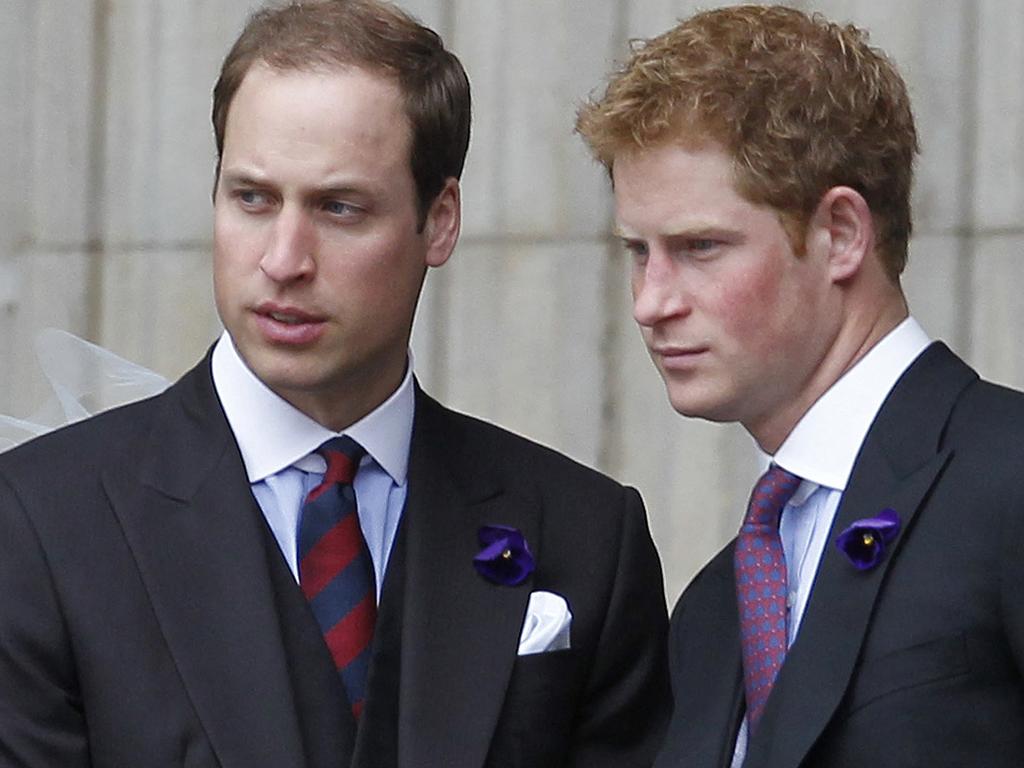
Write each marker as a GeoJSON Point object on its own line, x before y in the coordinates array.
{"type": "Point", "coordinates": [820, 664]}
{"type": "Point", "coordinates": [193, 527]}
{"type": "Point", "coordinates": [900, 461]}
{"type": "Point", "coordinates": [461, 632]}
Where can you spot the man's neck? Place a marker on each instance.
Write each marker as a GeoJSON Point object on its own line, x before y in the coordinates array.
{"type": "Point", "coordinates": [854, 340]}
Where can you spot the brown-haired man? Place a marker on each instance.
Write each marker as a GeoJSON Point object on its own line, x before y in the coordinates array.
{"type": "Point", "coordinates": [294, 557]}
{"type": "Point", "coordinates": [762, 161]}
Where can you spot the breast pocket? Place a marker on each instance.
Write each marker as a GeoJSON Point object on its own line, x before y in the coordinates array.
{"type": "Point", "coordinates": [535, 727]}
{"type": "Point", "coordinates": [918, 665]}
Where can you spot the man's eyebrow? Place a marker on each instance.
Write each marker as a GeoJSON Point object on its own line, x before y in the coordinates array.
{"type": "Point", "coordinates": [337, 187]}
{"type": "Point", "coordinates": [696, 231]}
{"type": "Point", "coordinates": [242, 176]}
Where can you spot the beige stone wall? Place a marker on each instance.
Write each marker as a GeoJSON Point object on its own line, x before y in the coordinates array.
{"type": "Point", "coordinates": [105, 218]}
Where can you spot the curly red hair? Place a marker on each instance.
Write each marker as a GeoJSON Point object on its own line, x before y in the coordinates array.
{"type": "Point", "coordinates": [800, 103]}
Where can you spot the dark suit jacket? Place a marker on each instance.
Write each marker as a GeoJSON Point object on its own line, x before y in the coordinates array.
{"type": "Point", "coordinates": [916, 662]}
{"type": "Point", "coordinates": [147, 618]}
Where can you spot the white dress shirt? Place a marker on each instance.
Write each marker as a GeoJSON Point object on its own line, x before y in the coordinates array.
{"type": "Point", "coordinates": [821, 449]}
{"type": "Point", "coordinates": [278, 444]}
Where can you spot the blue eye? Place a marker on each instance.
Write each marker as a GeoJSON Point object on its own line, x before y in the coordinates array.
{"type": "Point", "coordinates": [338, 208]}
{"type": "Point", "coordinates": [703, 248]}
{"type": "Point", "coordinates": [251, 197]}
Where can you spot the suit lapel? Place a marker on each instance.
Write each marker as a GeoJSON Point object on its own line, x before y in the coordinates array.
{"type": "Point", "coordinates": [194, 528]}
{"type": "Point", "coordinates": [726, 696]}
{"type": "Point", "coordinates": [460, 632]}
{"type": "Point", "coordinates": [706, 720]}
{"type": "Point", "coordinates": [898, 464]}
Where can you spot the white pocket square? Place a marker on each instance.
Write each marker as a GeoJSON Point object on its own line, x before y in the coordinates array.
{"type": "Point", "coordinates": [547, 624]}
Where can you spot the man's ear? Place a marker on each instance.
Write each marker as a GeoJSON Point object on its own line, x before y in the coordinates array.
{"type": "Point", "coordinates": [443, 223]}
{"type": "Point", "coordinates": [842, 225]}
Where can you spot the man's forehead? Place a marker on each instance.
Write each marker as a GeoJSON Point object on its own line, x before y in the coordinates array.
{"type": "Point", "coordinates": [363, 88]}
{"type": "Point", "coordinates": [670, 167]}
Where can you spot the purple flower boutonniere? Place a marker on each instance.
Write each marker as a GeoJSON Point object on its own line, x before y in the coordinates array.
{"type": "Point", "coordinates": [505, 558]}
{"type": "Point", "coordinates": [865, 541]}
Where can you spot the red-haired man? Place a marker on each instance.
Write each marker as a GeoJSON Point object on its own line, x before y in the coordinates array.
{"type": "Point", "coordinates": [869, 611]}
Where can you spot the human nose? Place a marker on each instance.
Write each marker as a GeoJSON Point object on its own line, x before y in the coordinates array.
{"type": "Point", "coordinates": [290, 253]}
{"type": "Point", "coordinates": [658, 290]}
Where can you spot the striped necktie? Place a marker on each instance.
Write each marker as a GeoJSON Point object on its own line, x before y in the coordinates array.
{"type": "Point", "coordinates": [761, 588]}
{"type": "Point", "coordinates": [335, 569]}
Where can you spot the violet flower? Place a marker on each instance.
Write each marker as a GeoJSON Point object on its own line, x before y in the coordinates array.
{"type": "Point", "coordinates": [864, 542]}
{"type": "Point", "coordinates": [505, 557]}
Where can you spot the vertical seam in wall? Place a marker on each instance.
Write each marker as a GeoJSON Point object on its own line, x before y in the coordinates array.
{"type": "Point", "coordinates": [610, 449]}
{"type": "Point", "coordinates": [28, 238]}
{"type": "Point", "coordinates": [440, 334]}
{"type": "Point", "coordinates": [158, 72]}
{"type": "Point", "coordinates": [95, 173]}
{"type": "Point", "coordinates": [968, 240]}
{"type": "Point", "coordinates": [499, 184]}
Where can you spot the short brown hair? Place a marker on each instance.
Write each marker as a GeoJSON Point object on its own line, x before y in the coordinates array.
{"type": "Point", "coordinates": [371, 35]}
{"type": "Point", "coordinates": [800, 103]}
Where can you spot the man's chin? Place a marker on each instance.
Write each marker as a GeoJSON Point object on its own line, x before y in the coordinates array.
{"type": "Point", "coordinates": [282, 371]}
{"type": "Point", "coordinates": [696, 406]}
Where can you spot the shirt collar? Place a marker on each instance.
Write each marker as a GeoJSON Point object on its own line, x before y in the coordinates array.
{"type": "Point", "coordinates": [272, 434]}
{"type": "Point", "coordinates": [824, 444]}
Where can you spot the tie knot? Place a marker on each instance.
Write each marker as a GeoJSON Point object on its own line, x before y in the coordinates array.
{"type": "Point", "coordinates": [774, 488]}
{"type": "Point", "coordinates": [342, 455]}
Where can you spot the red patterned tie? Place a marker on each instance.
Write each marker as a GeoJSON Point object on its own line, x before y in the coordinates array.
{"type": "Point", "coordinates": [761, 588]}
{"type": "Point", "coordinates": [335, 569]}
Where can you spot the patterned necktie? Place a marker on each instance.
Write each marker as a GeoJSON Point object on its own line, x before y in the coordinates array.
{"type": "Point", "coordinates": [335, 569]}
{"type": "Point", "coordinates": [761, 588]}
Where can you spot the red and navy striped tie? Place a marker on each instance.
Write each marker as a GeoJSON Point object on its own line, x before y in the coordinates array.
{"type": "Point", "coordinates": [335, 569]}
{"type": "Point", "coordinates": [761, 588]}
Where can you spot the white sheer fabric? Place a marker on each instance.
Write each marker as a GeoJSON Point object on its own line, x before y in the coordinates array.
{"type": "Point", "coordinates": [84, 379]}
